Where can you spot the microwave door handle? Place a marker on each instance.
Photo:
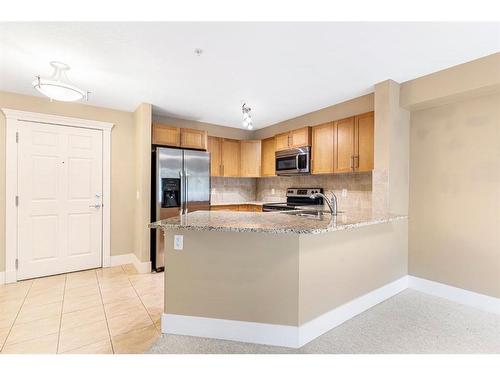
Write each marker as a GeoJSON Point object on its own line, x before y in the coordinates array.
{"type": "Point", "coordinates": [297, 162]}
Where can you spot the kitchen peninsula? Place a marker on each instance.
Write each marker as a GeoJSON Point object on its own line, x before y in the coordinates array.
{"type": "Point", "coordinates": [278, 278]}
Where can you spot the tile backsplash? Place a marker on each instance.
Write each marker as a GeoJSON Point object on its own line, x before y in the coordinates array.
{"type": "Point", "coordinates": [358, 187]}
{"type": "Point", "coordinates": [232, 190]}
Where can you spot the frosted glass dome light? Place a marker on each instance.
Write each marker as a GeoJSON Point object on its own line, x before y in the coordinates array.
{"type": "Point", "coordinates": [57, 86]}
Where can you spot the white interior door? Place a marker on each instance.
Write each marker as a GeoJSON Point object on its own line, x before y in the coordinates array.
{"type": "Point", "coordinates": [59, 188]}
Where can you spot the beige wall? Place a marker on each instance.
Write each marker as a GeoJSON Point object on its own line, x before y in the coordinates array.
{"type": "Point", "coordinates": [212, 129]}
{"type": "Point", "coordinates": [142, 123]}
{"type": "Point", "coordinates": [280, 279]}
{"type": "Point", "coordinates": [122, 163]}
{"type": "Point", "coordinates": [454, 217]}
{"type": "Point", "coordinates": [338, 111]}
{"type": "Point", "coordinates": [472, 79]}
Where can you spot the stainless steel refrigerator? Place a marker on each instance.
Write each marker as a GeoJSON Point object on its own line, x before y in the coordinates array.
{"type": "Point", "coordinates": [181, 184]}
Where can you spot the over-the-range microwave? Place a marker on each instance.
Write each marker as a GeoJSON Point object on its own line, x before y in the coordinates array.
{"type": "Point", "coordinates": [293, 161]}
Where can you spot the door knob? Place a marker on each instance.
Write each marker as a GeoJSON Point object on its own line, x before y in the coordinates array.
{"type": "Point", "coordinates": [97, 205]}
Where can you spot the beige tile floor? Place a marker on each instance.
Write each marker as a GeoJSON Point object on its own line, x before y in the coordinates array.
{"type": "Point", "coordinates": [102, 311]}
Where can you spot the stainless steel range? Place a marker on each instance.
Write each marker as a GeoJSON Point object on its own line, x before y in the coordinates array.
{"type": "Point", "coordinates": [295, 198]}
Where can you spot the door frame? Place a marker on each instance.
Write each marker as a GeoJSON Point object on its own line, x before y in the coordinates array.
{"type": "Point", "coordinates": [12, 117]}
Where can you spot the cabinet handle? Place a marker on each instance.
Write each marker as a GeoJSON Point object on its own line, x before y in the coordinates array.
{"type": "Point", "coordinates": [352, 162]}
{"type": "Point", "coordinates": [357, 162]}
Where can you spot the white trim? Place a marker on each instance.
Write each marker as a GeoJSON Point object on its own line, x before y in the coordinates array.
{"type": "Point", "coordinates": [257, 333]}
{"type": "Point", "coordinates": [12, 117]}
{"type": "Point", "coordinates": [46, 118]}
{"type": "Point", "coordinates": [462, 296]}
{"type": "Point", "coordinates": [141, 267]}
{"type": "Point", "coordinates": [275, 334]}
{"type": "Point", "coordinates": [333, 318]}
{"type": "Point", "coordinates": [2, 277]}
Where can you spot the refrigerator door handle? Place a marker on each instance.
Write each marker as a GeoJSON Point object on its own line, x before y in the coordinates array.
{"type": "Point", "coordinates": [183, 198]}
{"type": "Point", "coordinates": [186, 184]}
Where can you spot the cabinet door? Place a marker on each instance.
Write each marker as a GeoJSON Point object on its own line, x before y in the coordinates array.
{"type": "Point", "coordinates": [282, 141]}
{"type": "Point", "coordinates": [300, 137]}
{"type": "Point", "coordinates": [322, 148]}
{"type": "Point", "coordinates": [214, 147]}
{"type": "Point", "coordinates": [230, 158]}
{"type": "Point", "coordinates": [268, 158]}
{"type": "Point", "coordinates": [344, 142]}
{"type": "Point", "coordinates": [250, 158]}
{"type": "Point", "coordinates": [226, 207]}
{"type": "Point", "coordinates": [166, 135]}
{"type": "Point", "coordinates": [192, 138]}
{"type": "Point", "coordinates": [364, 139]}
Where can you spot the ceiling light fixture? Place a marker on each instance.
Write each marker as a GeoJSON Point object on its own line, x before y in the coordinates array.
{"type": "Point", "coordinates": [247, 117]}
{"type": "Point", "coordinates": [57, 86]}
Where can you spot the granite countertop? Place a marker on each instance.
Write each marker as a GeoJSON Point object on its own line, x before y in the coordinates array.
{"type": "Point", "coordinates": [273, 222]}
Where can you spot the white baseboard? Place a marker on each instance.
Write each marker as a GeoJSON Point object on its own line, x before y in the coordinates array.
{"type": "Point", "coordinates": [275, 334]}
{"type": "Point", "coordinates": [333, 318]}
{"type": "Point", "coordinates": [462, 296]}
{"type": "Point", "coordinates": [2, 277]}
{"type": "Point", "coordinates": [131, 258]}
{"type": "Point", "coordinates": [235, 330]}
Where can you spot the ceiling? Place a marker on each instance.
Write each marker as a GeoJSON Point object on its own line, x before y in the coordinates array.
{"type": "Point", "coordinates": [281, 70]}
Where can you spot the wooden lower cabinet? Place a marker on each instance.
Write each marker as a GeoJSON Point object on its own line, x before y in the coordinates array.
{"type": "Point", "coordinates": [237, 207]}
{"type": "Point", "coordinates": [268, 158]}
{"type": "Point", "coordinates": [250, 158]}
{"type": "Point", "coordinates": [322, 148]}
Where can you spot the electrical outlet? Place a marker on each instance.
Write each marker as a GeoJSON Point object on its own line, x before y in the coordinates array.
{"type": "Point", "coordinates": [272, 191]}
{"type": "Point", "coordinates": [344, 193]}
{"type": "Point", "coordinates": [178, 242]}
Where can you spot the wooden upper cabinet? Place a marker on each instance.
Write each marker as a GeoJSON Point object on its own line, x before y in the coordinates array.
{"type": "Point", "coordinates": [282, 141]}
{"type": "Point", "coordinates": [364, 142]}
{"type": "Point", "coordinates": [268, 159]}
{"type": "Point", "coordinates": [250, 158]}
{"type": "Point", "coordinates": [192, 138]}
{"type": "Point", "coordinates": [295, 138]}
{"type": "Point", "coordinates": [230, 151]}
{"type": "Point", "coordinates": [322, 148]}
{"type": "Point", "coordinates": [166, 135]}
{"type": "Point", "coordinates": [344, 145]}
{"type": "Point", "coordinates": [300, 137]}
{"type": "Point", "coordinates": [214, 147]}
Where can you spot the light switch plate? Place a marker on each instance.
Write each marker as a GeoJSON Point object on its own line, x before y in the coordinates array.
{"type": "Point", "coordinates": [344, 193]}
{"type": "Point", "coordinates": [178, 242]}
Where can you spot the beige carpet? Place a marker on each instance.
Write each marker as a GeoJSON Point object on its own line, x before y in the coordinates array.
{"type": "Point", "coordinates": [411, 322]}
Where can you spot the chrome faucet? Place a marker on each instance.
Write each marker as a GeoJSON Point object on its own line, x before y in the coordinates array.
{"type": "Point", "coordinates": [332, 204]}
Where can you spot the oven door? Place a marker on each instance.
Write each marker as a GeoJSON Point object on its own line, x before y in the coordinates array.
{"type": "Point", "coordinates": [290, 162]}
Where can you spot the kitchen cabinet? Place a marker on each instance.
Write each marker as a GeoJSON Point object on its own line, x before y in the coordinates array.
{"type": "Point", "coordinates": [364, 142]}
{"type": "Point", "coordinates": [268, 159]}
{"type": "Point", "coordinates": [237, 207]}
{"type": "Point", "coordinates": [224, 157]}
{"type": "Point", "coordinates": [230, 156]}
{"type": "Point", "coordinates": [354, 144]}
{"type": "Point", "coordinates": [344, 145]}
{"type": "Point", "coordinates": [295, 138]}
{"type": "Point", "coordinates": [192, 138]}
{"type": "Point", "coordinates": [250, 158]}
{"type": "Point", "coordinates": [166, 135]}
{"type": "Point", "coordinates": [322, 148]}
{"type": "Point", "coordinates": [214, 147]}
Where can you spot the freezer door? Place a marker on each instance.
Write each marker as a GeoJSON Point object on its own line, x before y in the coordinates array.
{"type": "Point", "coordinates": [168, 166]}
{"type": "Point", "coordinates": [197, 180]}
